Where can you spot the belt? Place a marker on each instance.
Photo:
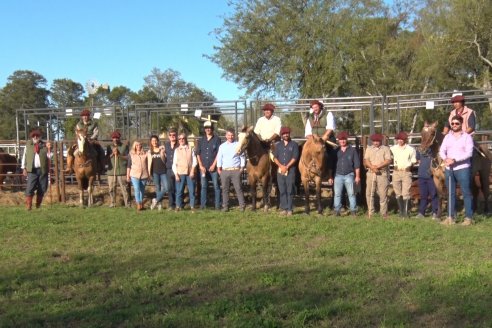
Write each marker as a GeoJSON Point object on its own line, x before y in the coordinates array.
{"type": "Point", "coordinates": [232, 169]}
{"type": "Point", "coordinates": [407, 169]}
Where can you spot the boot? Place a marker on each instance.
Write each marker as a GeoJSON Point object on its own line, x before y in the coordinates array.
{"type": "Point", "coordinates": [401, 206]}
{"type": "Point", "coordinates": [139, 207]}
{"type": "Point", "coordinates": [39, 200]}
{"type": "Point", "coordinates": [406, 208]}
{"type": "Point", "coordinates": [28, 203]}
{"type": "Point", "coordinates": [68, 170]}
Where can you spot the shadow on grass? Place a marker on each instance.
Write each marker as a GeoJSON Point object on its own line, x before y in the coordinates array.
{"type": "Point", "coordinates": [88, 290]}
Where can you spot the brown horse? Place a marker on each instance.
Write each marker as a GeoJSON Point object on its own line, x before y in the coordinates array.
{"type": "Point", "coordinates": [85, 166]}
{"type": "Point", "coordinates": [481, 163]}
{"type": "Point", "coordinates": [259, 166]}
{"type": "Point", "coordinates": [313, 167]}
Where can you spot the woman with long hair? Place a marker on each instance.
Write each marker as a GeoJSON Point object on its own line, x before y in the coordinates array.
{"type": "Point", "coordinates": [137, 172]}
{"type": "Point", "coordinates": [184, 164]}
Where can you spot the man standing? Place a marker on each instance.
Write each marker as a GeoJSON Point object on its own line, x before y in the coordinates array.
{"type": "Point", "coordinates": [456, 151]}
{"type": "Point", "coordinates": [346, 173]}
{"type": "Point", "coordinates": [286, 154]}
{"type": "Point", "coordinates": [268, 126]}
{"type": "Point", "coordinates": [206, 152]}
{"type": "Point", "coordinates": [427, 188]}
{"type": "Point", "coordinates": [171, 146]}
{"type": "Point", "coordinates": [377, 158]}
{"type": "Point", "coordinates": [468, 115]}
{"type": "Point", "coordinates": [319, 122]}
{"type": "Point", "coordinates": [117, 157]}
{"type": "Point", "coordinates": [404, 156]}
{"type": "Point", "coordinates": [229, 165]}
{"type": "Point", "coordinates": [35, 166]}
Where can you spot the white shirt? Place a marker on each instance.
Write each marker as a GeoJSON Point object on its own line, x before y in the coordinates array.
{"type": "Point", "coordinates": [266, 128]}
{"type": "Point", "coordinates": [330, 124]}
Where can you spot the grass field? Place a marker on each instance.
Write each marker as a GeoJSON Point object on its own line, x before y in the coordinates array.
{"type": "Point", "coordinates": [103, 267]}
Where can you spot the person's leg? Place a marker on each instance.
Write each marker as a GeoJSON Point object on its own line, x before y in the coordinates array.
{"type": "Point", "coordinates": [226, 184]}
{"type": "Point", "coordinates": [338, 189]}
{"type": "Point", "coordinates": [136, 191]}
{"type": "Point", "coordinates": [190, 182]}
{"type": "Point", "coordinates": [433, 196]}
{"type": "Point", "coordinates": [349, 186]}
{"type": "Point", "coordinates": [203, 192]}
{"type": "Point", "coordinates": [112, 190]}
{"type": "Point", "coordinates": [406, 184]}
{"type": "Point", "coordinates": [396, 182]}
{"type": "Point", "coordinates": [370, 192]}
{"type": "Point", "coordinates": [171, 184]}
{"type": "Point", "coordinates": [464, 179]}
{"type": "Point", "coordinates": [236, 181]}
{"type": "Point", "coordinates": [282, 190]}
{"type": "Point", "coordinates": [382, 186]}
{"type": "Point", "coordinates": [291, 180]}
{"type": "Point", "coordinates": [215, 180]}
{"type": "Point", "coordinates": [143, 183]}
{"type": "Point", "coordinates": [123, 184]}
{"type": "Point", "coordinates": [179, 191]}
{"type": "Point", "coordinates": [424, 194]}
{"type": "Point", "coordinates": [451, 193]}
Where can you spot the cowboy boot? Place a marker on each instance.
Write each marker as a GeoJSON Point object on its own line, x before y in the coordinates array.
{"type": "Point", "coordinates": [401, 206]}
{"type": "Point", "coordinates": [407, 207]}
{"type": "Point", "coordinates": [28, 203]}
{"type": "Point", "coordinates": [39, 200]}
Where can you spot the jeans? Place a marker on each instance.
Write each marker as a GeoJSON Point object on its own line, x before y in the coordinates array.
{"type": "Point", "coordinates": [427, 189]}
{"type": "Point", "coordinates": [139, 188]}
{"type": "Point", "coordinates": [463, 177]}
{"type": "Point", "coordinates": [214, 176]}
{"type": "Point", "coordinates": [347, 181]}
{"type": "Point", "coordinates": [286, 189]}
{"type": "Point", "coordinates": [171, 188]}
{"type": "Point", "coordinates": [160, 183]}
{"type": "Point", "coordinates": [180, 185]}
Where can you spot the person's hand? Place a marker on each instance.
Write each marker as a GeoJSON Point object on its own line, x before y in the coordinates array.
{"type": "Point", "coordinates": [192, 174]}
{"type": "Point", "coordinates": [177, 178]}
{"type": "Point", "coordinates": [449, 161]}
{"type": "Point", "coordinates": [330, 181]}
{"type": "Point", "coordinates": [203, 169]}
{"type": "Point", "coordinates": [357, 180]}
{"type": "Point", "coordinates": [115, 152]}
{"type": "Point", "coordinates": [212, 168]}
{"type": "Point", "coordinates": [219, 170]}
{"type": "Point", "coordinates": [24, 172]}
{"type": "Point", "coordinates": [128, 178]}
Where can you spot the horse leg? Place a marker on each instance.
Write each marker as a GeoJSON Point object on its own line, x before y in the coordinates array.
{"type": "Point", "coordinates": [266, 195]}
{"type": "Point", "coordinates": [317, 180]}
{"type": "Point", "coordinates": [252, 187]}
{"type": "Point", "coordinates": [305, 183]}
{"type": "Point", "coordinates": [90, 200]}
{"type": "Point", "coordinates": [484, 182]}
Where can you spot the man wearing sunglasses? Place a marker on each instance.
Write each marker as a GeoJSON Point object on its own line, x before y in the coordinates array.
{"type": "Point", "coordinates": [456, 151]}
{"type": "Point", "coordinates": [170, 147]}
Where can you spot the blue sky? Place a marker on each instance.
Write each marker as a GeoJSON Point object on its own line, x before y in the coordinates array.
{"type": "Point", "coordinates": [114, 42]}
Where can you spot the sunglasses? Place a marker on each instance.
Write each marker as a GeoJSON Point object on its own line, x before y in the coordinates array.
{"type": "Point", "coordinates": [455, 123]}
{"type": "Point", "coordinates": [172, 135]}
{"type": "Point", "coordinates": [181, 138]}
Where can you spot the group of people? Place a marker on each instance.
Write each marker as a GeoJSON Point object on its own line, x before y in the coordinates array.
{"type": "Point", "coordinates": [175, 164]}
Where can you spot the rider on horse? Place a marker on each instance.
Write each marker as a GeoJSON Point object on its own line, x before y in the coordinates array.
{"type": "Point", "coordinates": [268, 126]}
{"type": "Point", "coordinates": [92, 129]}
{"type": "Point", "coordinates": [320, 123]}
{"type": "Point", "coordinates": [468, 115]}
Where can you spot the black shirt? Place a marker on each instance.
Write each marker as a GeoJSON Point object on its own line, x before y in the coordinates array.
{"type": "Point", "coordinates": [170, 154]}
{"type": "Point", "coordinates": [158, 166]}
{"type": "Point", "coordinates": [347, 161]}
{"type": "Point", "coordinates": [285, 153]}
{"type": "Point", "coordinates": [207, 150]}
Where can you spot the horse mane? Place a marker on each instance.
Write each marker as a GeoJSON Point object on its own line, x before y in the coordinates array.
{"type": "Point", "coordinates": [428, 136]}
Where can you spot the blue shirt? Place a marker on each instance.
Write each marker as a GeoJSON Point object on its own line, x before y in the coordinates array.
{"type": "Point", "coordinates": [170, 154]}
{"type": "Point", "coordinates": [285, 153]}
{"type": "Point", "coordinates": [227, 157]}
{"type": "Point", "coordinates": [425, 164]}
{"type": "Point", "coordinates": [347, 161]}
{"type": "Point", "coordinates": [207, 150]}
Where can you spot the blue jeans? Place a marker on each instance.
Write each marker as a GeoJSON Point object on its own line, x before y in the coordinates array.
{"type": "Point", "coordinates": [427, 189]}
{"type": "Point", "coordinates": [214, 176]}
{"type": "Point", "coordinates": [171, 188]}
{"type": "Point", "coordinates": [286, 185]}
{"type": "Point", "coordinates": [139, 188]}
{"type": "Point", "coordinates": [180, 185]}
{"type": "Point", "coordinates": [347, 181]}
{"type": "Point", "coordinates": [463, 177]}
{"type": "Point", "coordinates": [160, 183]}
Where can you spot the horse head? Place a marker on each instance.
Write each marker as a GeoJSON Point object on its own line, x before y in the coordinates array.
{"type": "Point", "coordinates": [244, 138]}
{"type": "Point", "coordinates": [81, 135]}
{"type": "Point", "coordinates": [428, 135]}
{"type": "Point", "coordinates": [315, 155]}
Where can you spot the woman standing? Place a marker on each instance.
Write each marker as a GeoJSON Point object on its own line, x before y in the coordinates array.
{"type": "Point", "coordinates": [156, 158]}
{"type": "Point", "coordinates": [137, 172]}
{"type": "Point", "coordinates": [184, 164]}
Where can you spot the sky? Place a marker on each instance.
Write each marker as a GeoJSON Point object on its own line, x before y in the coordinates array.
{"type": "Point", "coordinates": [113, 41]}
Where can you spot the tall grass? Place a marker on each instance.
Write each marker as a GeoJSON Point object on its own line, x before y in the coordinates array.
{"type": "Point", "coordinates": [99, 267]}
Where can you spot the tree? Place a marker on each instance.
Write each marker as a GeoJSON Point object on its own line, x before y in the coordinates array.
{"type": "Point", "coordinates": [66, 93]}
{"type": "Point", "coordinates": [24, 89]}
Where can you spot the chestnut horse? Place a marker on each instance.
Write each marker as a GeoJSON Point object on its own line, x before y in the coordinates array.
{"type": "Point", "coordinates": [259, 166]}
{"type": "Point", "coordinates": [8, 163]}
{"type": "Point", "coordinates": [481, 162]}
{"type": "Point", "coordinates": [85, 166]}
{"type": "Point", "coordinates": [313, 167]}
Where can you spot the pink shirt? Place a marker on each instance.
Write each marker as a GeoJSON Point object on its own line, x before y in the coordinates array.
{"type": "Point", "coordinates": [459, 148]}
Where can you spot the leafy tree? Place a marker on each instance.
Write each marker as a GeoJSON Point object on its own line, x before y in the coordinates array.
{"type": "Point", "coordinates": [24, 89]}
{"type": "Point", "coordinates": [66, 93]}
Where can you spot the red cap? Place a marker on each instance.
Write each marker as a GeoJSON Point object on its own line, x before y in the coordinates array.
{"type": "Point", "coordinates": [316, 102]}
{"type": "Point", "coordinates": [457, 99]}
{"type": "Point", "coordinates": [377, 137]}
{"type": "Point", "coordinates": [284, 130]}
{"type": "Point", "coordinates": [401, 135]}
{"type": "Point", "coordinates": [343, 135]}
{"type": "Point", "coordinates": [115, 134]}
{"type": "Point", "coordinates": [268, 107]}
{"type": "Point", "coordinates": [85, 112]}
{"type": "Point", "coordinates": [35, 132]}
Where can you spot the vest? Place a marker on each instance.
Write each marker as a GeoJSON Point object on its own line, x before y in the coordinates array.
{"type": "Point", "coordinates": [139, 166]}
{"type": "Point", "coordinates": [90, 127]}
{"type": "Point", "coordinates": [43, 156]}
{"type": "Point", "coordinates": [122, 163]}
{"type": "Point", "coordinates": [318, 128]}
{"type": "Point", "coordinates": [183, 160]}
{"type": "Point", "coordinates": [465, 114]}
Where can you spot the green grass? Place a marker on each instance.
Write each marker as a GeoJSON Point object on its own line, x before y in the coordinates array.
{"type": "Point", "coordinates": [105, 267]}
